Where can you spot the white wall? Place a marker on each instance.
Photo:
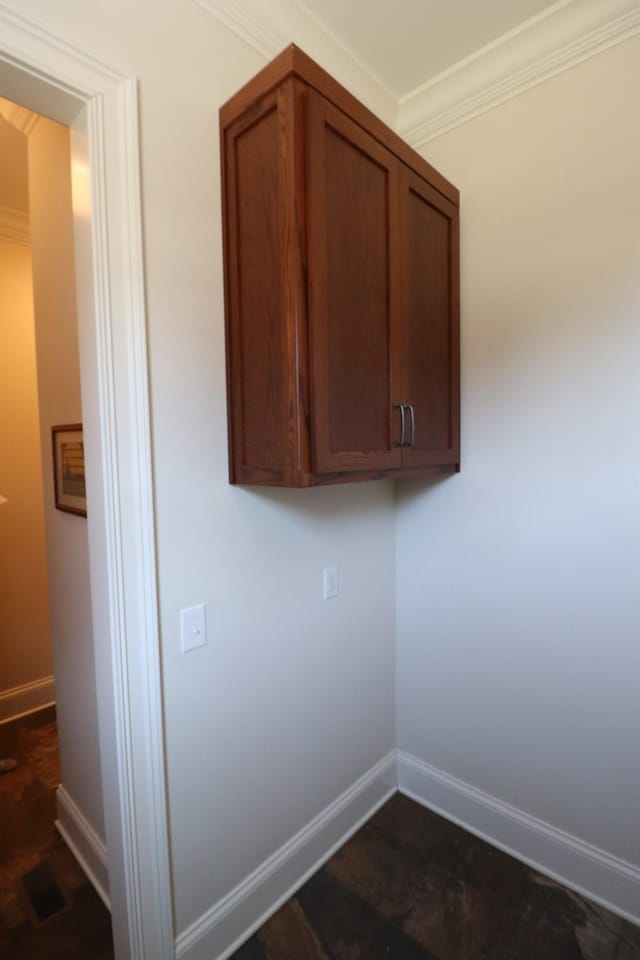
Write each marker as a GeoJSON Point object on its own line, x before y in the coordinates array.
{"type": "Point", "coordinates": [25, 637]}
{"type": "Point", "coordinates": [518, 604]}
{"type": "Point", "coordinates": [59, 394]}
{"type": "Point", "coordinates": [292, 699]}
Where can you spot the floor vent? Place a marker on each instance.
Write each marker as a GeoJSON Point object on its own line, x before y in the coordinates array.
{"type": "Point", "coordinates": [44, 894]}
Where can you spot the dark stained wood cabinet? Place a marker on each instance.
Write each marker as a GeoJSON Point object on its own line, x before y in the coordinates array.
{"type": "Point", "coordinates": [341, 288]}
{"type": "Point", "coordinates": [428, 320]}
{"type": "Point", "coordinates": [352, 218]}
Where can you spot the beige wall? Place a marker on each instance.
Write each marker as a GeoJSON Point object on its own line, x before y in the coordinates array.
{"type": "Point", "coordinates": [25, 642]}
{"type": "Point", "coordinates": [291, 701]}
{"type": "Point", "coordinates": [59, 391]}
{"type": "Point", "coordinates": [518, 605]}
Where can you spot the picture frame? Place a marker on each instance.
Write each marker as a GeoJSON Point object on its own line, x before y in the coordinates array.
{"type": "Point", "coordinates": [68, 468]}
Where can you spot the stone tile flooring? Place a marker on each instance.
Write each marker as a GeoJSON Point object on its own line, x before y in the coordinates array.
{"type": "Point", "coordinates": [82, 931]}
{"type": "Point", "coordinates": [412, 886]}
{"type": "Point", "coordinates": [409, 885]}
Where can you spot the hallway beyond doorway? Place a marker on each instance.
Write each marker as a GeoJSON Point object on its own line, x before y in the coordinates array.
{"type": "Point", "coordinates": [28, 840]}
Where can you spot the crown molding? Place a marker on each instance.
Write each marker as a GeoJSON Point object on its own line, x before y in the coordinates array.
{"type": "Point", "coordinates": [14, 225]}
{"type": "Point", "coordinates": [270, 28]}
{"type": "Point", "coordinates": [244, 18]}
{"type": "Point", "coordinates": [559, 38]}
{"type": "Point", "coordinates": [318, 24]}
{"type": "Point", "coordinates": [249, 27]}
{"type": "Point", "coordinates": [567, 34]}
{"type": "Point", "coordinates": [21, 118]}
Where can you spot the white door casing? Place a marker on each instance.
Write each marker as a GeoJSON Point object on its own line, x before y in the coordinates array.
{"type": "Point", "coordinates": [50, 76]}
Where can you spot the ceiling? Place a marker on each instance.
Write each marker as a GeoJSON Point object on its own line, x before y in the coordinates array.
{"type": "Point", "coordinates": [405, 43]}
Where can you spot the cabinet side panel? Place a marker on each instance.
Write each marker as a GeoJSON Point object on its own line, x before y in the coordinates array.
{"type": "Point", "coordinates": [256, 301]}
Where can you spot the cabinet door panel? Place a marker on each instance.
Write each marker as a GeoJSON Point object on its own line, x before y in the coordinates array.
{"type": "Point", "coordinates": [352, 223]}
{"type": "Point", "coordinates": [429, 322]}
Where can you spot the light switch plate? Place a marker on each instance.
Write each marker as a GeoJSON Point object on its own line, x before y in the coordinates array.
{"type": "Point", "coordinates": [330, 580]}
{"type": "Point", "coordinates": [193, 628]}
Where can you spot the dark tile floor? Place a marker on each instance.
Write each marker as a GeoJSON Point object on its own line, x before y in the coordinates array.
{"type": "Point", "coordinates": [82, 931]}
{"type": "Point", "coordinates": [413, 886]}
{"type": "Point", "coordinates": [409, 885]}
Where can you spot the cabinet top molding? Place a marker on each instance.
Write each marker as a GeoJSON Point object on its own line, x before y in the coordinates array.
{"type": "Point", "coordinates": [294, 61]}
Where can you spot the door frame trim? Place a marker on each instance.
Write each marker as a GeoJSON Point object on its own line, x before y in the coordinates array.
{"type": "Point", "coordinates": [51, 76]}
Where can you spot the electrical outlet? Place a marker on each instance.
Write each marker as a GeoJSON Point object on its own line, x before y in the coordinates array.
{"type": "Point", "coordinates": [330, 579]}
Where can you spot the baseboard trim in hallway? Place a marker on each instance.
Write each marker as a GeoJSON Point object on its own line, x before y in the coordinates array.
{"type": "Point", "coordinates": [27, 698]}
{"type": "Point", "coordinates": [590, 871]}
{"type": "Point", "coordinates": [85, 844]}
{"type": "Point", "coordinates": [225, 926]}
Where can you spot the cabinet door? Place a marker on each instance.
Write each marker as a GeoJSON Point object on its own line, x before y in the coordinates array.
{"type": "Point", "coordinates": [352, 264]}
{"type": "Point", "coordinates": [428, 350]}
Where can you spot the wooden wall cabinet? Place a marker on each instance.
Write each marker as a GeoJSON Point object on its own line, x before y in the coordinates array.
{"type": "Point", "coordinates": [341, 288]}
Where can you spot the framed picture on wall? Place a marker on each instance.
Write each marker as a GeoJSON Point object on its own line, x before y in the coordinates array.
{"type": "Point", "coordinates": [68, 468]}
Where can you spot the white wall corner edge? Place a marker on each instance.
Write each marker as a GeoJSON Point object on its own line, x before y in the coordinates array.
{"type": "Point", "coordinates": [590, 871]}
{"type": "Point", "coordinates": [85, 844]}
{"type": "Point", "coordinates": [221, 930]}
{"type": "Point", "coordinates": [27, 698]}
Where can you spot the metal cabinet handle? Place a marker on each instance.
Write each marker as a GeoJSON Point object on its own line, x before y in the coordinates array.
{"type": "Point", "coordinates": [400, 407]}
{"type": "Point", "coordinates": [412, 414]}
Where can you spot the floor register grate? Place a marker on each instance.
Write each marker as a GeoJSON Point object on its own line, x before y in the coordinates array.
{"type": "Point", "coordinates": [44, 894]}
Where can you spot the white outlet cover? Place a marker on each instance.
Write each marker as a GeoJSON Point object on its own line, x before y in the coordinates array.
{"type": "Point", "coordinates": [193, 628]}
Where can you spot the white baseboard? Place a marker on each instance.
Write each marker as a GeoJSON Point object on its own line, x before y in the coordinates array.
{"type": "Point", "coordinates": [85, 844]}
{"type": "Point", "coordinates": [592, 872]}
{"type": "Point", "coordinates": [19, 701]}
{"type": "Point", "coordinates": [226, 925]}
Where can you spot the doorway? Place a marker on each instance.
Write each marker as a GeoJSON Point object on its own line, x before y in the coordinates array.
{"type": "Point", "coordinates": [51, 77]}
{"type": "Point", "coordinates": [44, 581]}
